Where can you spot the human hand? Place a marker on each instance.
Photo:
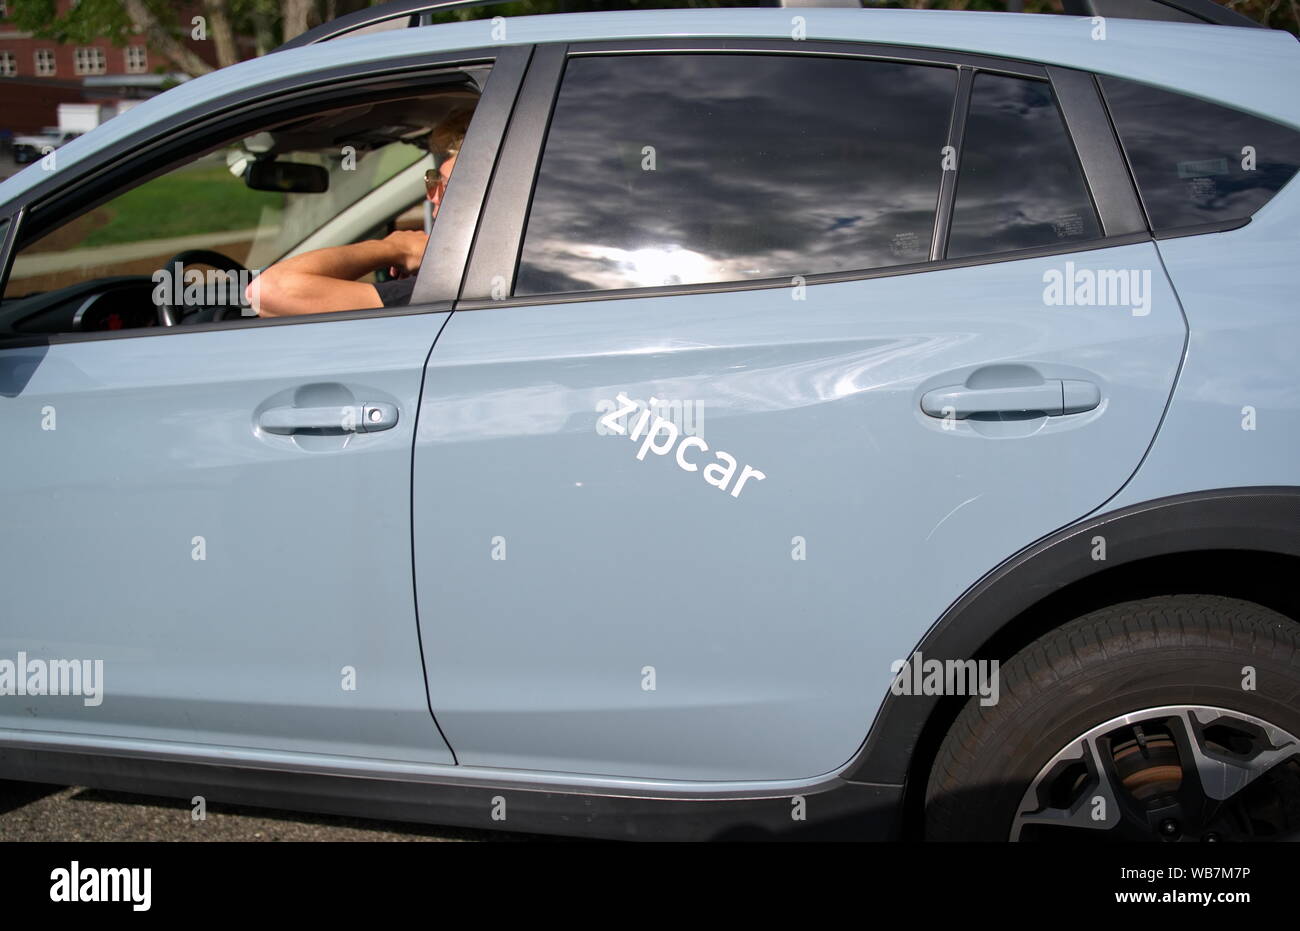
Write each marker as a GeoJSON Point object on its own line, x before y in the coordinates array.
{"type": "Point", "coordinates": [408, 250]}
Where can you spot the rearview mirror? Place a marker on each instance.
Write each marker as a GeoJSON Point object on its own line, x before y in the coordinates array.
{"type": "Point", "coordinates": [287, 177]}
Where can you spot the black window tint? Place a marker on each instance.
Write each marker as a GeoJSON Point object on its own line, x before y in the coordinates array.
{"type": "Point", "coordinates": [1190, 157]}
{"type": "Point", "coordinates": [1019, 184]}
{"type": "Point", "coordinates": [763, 166]}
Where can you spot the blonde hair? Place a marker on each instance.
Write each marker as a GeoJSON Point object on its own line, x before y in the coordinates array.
{"type": "Point", "coordinates": [449, 135]}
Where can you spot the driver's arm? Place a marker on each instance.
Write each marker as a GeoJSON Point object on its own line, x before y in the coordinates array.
{"type": "Point", "coordinates": [326, 279]}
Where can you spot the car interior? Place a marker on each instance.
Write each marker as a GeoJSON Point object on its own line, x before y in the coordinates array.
{"type": "Point", "coordinates": [179, 248]}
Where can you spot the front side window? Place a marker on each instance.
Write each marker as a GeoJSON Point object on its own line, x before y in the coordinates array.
{"type": "Point", "coordinates": [1019, 184]}
{"type": "Point", "coordinates": [332, 209]}
{"type": "Point", "coordinates": [683, 169]}
{"type": "Point", "coordinates": [1198, 162]}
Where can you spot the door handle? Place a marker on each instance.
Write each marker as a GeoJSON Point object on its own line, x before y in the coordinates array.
{"type": "Point", "coordinates": [1055, 396]}
{"type": "Point", "coordinates": [335, 418]}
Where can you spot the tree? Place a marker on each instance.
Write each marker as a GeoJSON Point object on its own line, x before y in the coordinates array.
{"type": "Point", "coordinates": [264, 24]}
{"type": "Point", "coordinates": [166, 27]}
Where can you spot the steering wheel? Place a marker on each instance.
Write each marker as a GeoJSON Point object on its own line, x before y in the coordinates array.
{"type": "Point", "coordinates": [170, 314]}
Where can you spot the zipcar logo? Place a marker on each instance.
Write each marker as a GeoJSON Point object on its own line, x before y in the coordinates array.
{"type": "Point", "coordinates": [663, 435]}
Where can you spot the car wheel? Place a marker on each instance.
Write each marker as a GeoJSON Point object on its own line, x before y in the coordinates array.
{"type": "Point", "coordinates": [1171, 718]}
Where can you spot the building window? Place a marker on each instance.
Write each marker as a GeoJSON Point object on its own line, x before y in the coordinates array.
{"type": "Point", "coordinates": [137, 59]}
{"type": "Point", "coordinates": [90, 61]}
{"type": "Point", "coordinates": [44, 62]}
{"type": "Point", "coordinates": [8, 66]}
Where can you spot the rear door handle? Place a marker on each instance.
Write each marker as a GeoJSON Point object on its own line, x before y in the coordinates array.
{"type": "Point", "coordinates": [1054, 396]}
{"type": "Point", "coordinates": [336, 418]}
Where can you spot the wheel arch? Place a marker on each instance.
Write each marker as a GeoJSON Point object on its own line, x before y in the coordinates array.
{"type": "Point", "coordinates": [1196, 543]}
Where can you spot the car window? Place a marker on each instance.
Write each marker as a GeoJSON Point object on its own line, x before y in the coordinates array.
{"type": "Point", "coordinates": [135, 232]}
{"type": "Point", "coordinates": [203, 204]}
{"type": "Point", "coordinates": [186, 244]}
{"type": "Point", "coordinates": [1019, 184]}
{"type": "Point", "coordinates": [1195, 161]}
{"type": "Point", "coordinates": [680, 169]}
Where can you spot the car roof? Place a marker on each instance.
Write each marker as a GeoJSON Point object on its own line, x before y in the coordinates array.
{"type": "Point", "coordinates": [1254, 70]}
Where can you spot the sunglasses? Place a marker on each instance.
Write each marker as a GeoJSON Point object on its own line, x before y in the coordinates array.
{"type": "Point", "coordinates": [433, 180]}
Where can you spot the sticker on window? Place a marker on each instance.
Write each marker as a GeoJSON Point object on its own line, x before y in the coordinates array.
{"type": "Point", "coordinates": [1203, 168]}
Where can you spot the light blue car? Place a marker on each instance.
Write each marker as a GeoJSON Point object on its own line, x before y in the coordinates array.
{"type": "Point", "coordinates": [803, 422]}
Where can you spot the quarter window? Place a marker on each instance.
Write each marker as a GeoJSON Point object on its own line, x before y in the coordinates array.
{"type": "Point", "coordinates": [1019, 184]}
{"type": "Point", "coordinates": [682, 169]}
{"type": "Point", "coordinates": [1198, 162]}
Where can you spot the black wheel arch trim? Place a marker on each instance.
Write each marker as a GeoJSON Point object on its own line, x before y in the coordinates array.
{"type": "Point", "coordinates": [1263, 519]}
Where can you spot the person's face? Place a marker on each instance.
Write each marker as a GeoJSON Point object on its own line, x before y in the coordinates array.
{"type": "Point", "coordinates": [436, 188]}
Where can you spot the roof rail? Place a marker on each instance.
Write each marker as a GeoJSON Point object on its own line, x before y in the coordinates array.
{"type": "Point", "coordinates": [1175, 11]}
{"type": "Point", "coordinates": [416, 12]}
{"type": "Point", "coordinates": [419, 12]}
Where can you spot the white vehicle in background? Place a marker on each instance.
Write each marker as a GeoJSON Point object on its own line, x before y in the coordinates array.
{"type": "Point", "coordinates": [74, 120]}
{"type": "Point", "coordinates": [78, 118]}
{"type": "Point", "coordinates": [30, 148]}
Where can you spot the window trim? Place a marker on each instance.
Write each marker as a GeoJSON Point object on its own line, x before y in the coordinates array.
{"type": "Point", "coordinates": [161, 143]}
{"type": "Point", "coordinates": [8, 233]}
{"type": "Point", "coordinates": [504, 221]}
{"type": "Point", "coordinates": [819, 48]}
{"type": "Point", "coordinates": [500, 239]}
{"type": "Point", "coordinates": [947, 206]}
{"type": "Point", "coordinates": [888, 271]}
{"type": "Point", "coordinates": [1106, 170]}
{"type": "Point", "coordinates": [159, 147]}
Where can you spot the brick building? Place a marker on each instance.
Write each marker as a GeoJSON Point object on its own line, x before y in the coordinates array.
{"type": "Point", "coordinates": [36, 75]}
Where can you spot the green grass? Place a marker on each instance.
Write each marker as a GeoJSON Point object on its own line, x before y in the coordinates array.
{"type": "Point", "coordinates": [203, 198]}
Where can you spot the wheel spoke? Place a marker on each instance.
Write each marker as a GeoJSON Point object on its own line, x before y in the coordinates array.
{"type": "Point", "coordinates": [1221, 776]}
{"type": "Point", "coordinates": [1174, 773]}
{"type": "Point", "coordinates": [1095, 808]}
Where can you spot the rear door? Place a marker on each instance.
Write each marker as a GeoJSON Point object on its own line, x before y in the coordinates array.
{"type": "Point", "coordinates": [769, 356]}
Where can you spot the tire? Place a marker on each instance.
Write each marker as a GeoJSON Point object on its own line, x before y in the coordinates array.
{"type": "Point", "coordinates": [1176, 650]}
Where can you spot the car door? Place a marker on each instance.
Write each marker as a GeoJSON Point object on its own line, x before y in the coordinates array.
{"type": "Point", "coordinates": [786, 351]}
{"type": "Point", "coordinates": [213, 521]}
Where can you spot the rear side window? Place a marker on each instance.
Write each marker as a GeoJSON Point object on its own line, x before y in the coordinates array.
{"type": "Point", "coordinates": [1198, 162]}
{"type": "Point", "coordinates": [681, 169]}
{"type": "Point", "coordinates": [1019, 184]}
